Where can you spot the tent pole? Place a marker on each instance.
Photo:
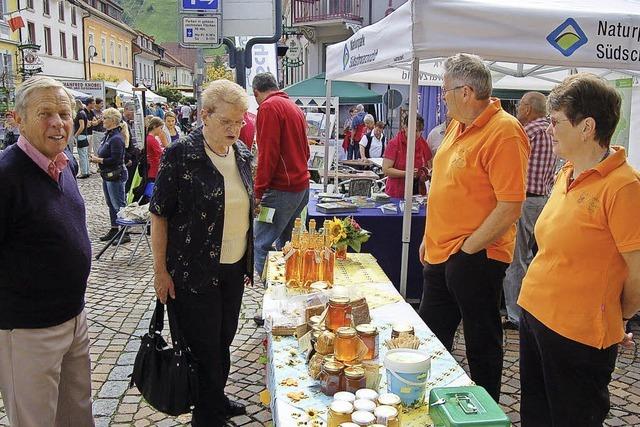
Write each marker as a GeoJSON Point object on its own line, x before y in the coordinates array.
{"type": "Point", "coordinates": [327, 129]}
{"type": "Point", "coordinates": [408, 182]}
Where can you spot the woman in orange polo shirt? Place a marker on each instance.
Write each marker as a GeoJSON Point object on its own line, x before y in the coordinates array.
{"type": "Point", "coordinates": [584, 283]}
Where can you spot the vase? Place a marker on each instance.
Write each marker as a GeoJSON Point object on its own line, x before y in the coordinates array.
{"type": "Point", "coordinates": [341, 252]}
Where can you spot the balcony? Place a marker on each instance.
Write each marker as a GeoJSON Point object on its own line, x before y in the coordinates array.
{"type": "Point", "coordinates": [326, 12]}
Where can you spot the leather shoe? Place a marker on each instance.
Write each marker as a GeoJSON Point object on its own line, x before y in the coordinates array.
{"type": "Point", "coordinates": [258, 319]}
{"type": "Point", "coordinates": [234, 409]}
{"type": "Point", "coordinates": [83, 176]}
{"type": "Point", "coordinates": [508, 324]}
{"type": "Point", "coordinates": [125, 239]}
{"type": "Point", "coordinates": [112, 232]}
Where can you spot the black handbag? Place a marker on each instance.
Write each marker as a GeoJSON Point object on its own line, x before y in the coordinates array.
{"type": "Point", "coordinates": [113, 174]}
{"type": "Point", "coordinates": [166, 377]}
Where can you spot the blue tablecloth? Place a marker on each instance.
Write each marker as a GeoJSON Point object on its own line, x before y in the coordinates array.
{"type": "Point", "coordinates": [386, 240]}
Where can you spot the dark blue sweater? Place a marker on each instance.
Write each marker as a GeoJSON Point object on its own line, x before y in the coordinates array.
{"type": "Point", "coordinates": [45, 253]}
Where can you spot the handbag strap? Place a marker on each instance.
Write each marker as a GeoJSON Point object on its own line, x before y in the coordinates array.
{"type": "Point", "coordinates": [177, 338]}
{"type": "Point", "coordinates": [157, 320]}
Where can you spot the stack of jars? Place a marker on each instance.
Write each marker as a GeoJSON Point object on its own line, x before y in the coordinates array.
{"type": "Point", "coordinates": [364, 408]}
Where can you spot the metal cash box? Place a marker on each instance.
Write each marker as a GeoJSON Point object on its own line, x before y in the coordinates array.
{"type": "Point", "coordinates": [465, 406]}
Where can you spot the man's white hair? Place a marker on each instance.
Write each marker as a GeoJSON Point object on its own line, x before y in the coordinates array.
{"type": "Point", "coordinates": [35, 83]}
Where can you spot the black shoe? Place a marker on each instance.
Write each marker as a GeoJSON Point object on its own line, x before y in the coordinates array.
{"type": "Point", "coordinates": [112, 232]}
{"type": "Point", "coordinates": [125, 239]}
{"type": "Point", "coordinates": [258, 319]}
{"type": "Point", "coordinates": [83, 176]}
{"type": "Point", "coordinates": [508, 324]}
{"type": "Point", "coordinates": [234, 409]}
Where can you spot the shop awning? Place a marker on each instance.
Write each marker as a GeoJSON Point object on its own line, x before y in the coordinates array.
{"type": "Point", "coordinates": [348, 92]}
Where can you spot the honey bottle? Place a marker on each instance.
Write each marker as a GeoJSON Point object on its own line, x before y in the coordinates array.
{"type": "Point", "coordinates": [328, 258]}
{"type": "Point", "coordinates": [309, 261]}
{"type": "Point", "coordinates": [293, 259]}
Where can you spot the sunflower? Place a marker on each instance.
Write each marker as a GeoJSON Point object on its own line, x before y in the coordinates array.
{"type": "Point", "coordinates": [337, 231]}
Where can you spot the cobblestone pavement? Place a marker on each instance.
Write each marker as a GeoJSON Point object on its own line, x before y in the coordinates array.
{"type": "Point", "coordinates": [119, 305]}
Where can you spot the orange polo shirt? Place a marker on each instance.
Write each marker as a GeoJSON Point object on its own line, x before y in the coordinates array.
{"type": "Point", "coordinates": [575, 282]}
{"type": "Point", "coordinates": [473, 169]}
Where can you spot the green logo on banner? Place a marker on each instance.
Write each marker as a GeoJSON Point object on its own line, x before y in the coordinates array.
{"type": "Point", "coordinates": [568, 37]}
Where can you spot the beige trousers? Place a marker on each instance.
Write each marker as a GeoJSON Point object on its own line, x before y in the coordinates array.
{"type": "Point", "coordinates": [45, 377]}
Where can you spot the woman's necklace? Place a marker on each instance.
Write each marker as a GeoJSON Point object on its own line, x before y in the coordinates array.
{"type": "Point", "coordinates": [214, 152]}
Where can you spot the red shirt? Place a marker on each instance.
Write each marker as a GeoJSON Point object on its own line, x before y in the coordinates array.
{"type": "Point", "coordinates": [154, 153]}
{"type": "Point", "coordinates": [397, 151]}
{"type": "Point", "coordinates": [283, 149]}
{"type": "Point", "coordinates": [248, 131]}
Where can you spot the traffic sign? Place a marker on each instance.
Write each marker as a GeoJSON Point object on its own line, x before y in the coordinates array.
{"type": "Point", "coordinates": [201, 31]}
{"type": "Point", "coordinates": [200, 5]}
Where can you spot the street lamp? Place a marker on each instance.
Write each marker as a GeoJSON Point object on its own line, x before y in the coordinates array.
{"type": "Point", "coordinates": [92, 52]}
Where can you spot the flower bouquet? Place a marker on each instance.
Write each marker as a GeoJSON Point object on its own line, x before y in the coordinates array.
{"type": "Point", "coordinates": [346, 232]}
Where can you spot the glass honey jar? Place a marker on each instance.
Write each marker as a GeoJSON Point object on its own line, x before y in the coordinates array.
{"type": "Point", "coordinates": [387, 415]}
{"type": "Point", "coordinates": [390, 399]}
{"type": "Point", "coordinates": [363, 418]}
{"type": "Point", "coordinates": [346, 345]}
{"type": "Point", "coordinates": [339, 313]}
{"type": "Point", "coordinates": [354, 379]}
{"type": "Point", "coordinates": [331, 378]}
{"type": "Point", "coordinates": [339, 412]}
{"type": "Point", "coordinates": [369, 336]}
{"type": "Point", "coordinates": [401, 327]}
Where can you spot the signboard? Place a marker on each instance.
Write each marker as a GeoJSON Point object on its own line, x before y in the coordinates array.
{"type": "Point", "coordinates": [94, 88]}
{"type": "Point", "coordinates": [201, 31]}
{"type": "Point", "coordinates": [264, 59]}
{"type": "Point", "coordinates": [138, 122]}
{"type": "Point", "coordinates": [207, 6]}
{"type": "Point", "coordinates": [248, 18]}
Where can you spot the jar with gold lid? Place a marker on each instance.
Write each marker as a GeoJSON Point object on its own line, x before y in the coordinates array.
{"type": "Point", "coordinates": [331, 378]}
{"type": "Point", "coordinates": [339, 313]}
{"type": "Point", "coordinates": [346, 344]}
{"type": "Point", "coordinates": [339, 412]}
{"type": "Point", "coordinates": [354, 379]}
{"type": "Point", "coordinates": [401, 327]}
{"type": "Point", "coordinates": [369, 336]}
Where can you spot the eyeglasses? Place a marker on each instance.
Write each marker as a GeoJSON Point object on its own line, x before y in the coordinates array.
{"type": "Point", "coordinates": [231, 124]}
{"type": "Point", "coordinates": [444, 91]}
{"type": "Point", "coordinates": [554, 122]}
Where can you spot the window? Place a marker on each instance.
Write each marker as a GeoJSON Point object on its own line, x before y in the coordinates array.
{"type": "Point", "coordinates": [73, 16]}
{"type": "Point", "coordinates": [139, 72]}
{"type": "Point", "coordinates": [103, 49]}
{"type": "Point", "coordinates": [47, 41]}
{"type": "Point", "coordinates": [112, 52]}
{"type": "Point", "coordinates": [63, 45]}
{"type": "Point", "coordinates": [126, 56]}
{"type": "Point", "coordinates": [30, 4]}
{"type": "Point", "coordinates": [45, 7]}
{"type": "Point", "coordinates": [74, 46]}
{"type": "Point", "coordinates": [61, 11]}
{"type": "Point", "coordinates": [31, 30]}
{"type": "Point", "coordinates": [120, 54]}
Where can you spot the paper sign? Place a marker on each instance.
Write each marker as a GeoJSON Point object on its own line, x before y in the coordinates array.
{"type": "Point", "coordinates": [266, 214]}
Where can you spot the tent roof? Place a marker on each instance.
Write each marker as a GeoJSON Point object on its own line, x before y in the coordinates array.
{"type": "Point", "coordinates": [348, 92]}
{"type": "Point", "coordinates": [509, 34]}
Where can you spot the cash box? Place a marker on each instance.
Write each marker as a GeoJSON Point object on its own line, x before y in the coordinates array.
{"type": "Point", "coordinates": [465, 406]}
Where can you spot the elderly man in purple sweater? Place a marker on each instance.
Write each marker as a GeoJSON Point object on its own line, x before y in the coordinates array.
{"type": "Point", "coordinates": [45, 258]}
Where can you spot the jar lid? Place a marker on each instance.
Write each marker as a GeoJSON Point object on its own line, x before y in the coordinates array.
{"type": "Point", "coordinates": [354, 372]}
{"type": "Point", "coordinates": [348, 424]}
{"type": "Point", "coordinates": [315, 319]}
{"type": "Point", "coordinates": [402, 327]}
{"type": "Point", "coordinates": [328, 358]}
{"type": "Point", "coordinates": [364, 405]}
{"type": "Point", "coordinates": [345, 395]}
{"type": "Point", "coordinates": [333, 366]}
{"type": "Point", "coordinates": [366, 329]}
{"type": "Point", "coordinates": [346, 331]}
{"type": "Point", "coordinates": [389, 399]}
{"type": "Point", "coordinates": [341, 407]}
{"type": "Point", "coordinates": [363, 417]}
{"type": "Point", "coordinates": [367, 393]}
{"type": "Point", "coordinates": [385, 413]}
{"type": "Point", "coordinates": [339, 300]}
{"type": "Point", "coordinates": [319, 286]}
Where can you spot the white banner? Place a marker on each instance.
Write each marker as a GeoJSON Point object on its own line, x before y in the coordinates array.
{"type": "Point", "coordinates": [264, 59]}
{"type": "Point", "coordinates": [94, 88]}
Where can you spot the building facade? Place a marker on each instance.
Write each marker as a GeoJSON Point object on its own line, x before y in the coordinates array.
{"type": "Point", "coordinates": [145, 55]}
{"type": "Point", "coordinates": [56, 26]}
{"type": "Point", "coordinates": [9, 41]}
{"type": "Point", "coordinates": [170, 71]}
{"type": "Point", "coordinates": [108, 42]}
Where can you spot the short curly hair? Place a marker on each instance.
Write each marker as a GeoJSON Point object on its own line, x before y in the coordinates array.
{"type": "Point", "coordinates": [226, 91]}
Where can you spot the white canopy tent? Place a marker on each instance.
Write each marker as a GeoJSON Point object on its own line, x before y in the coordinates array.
{"type": "Point", "coordinates": [407, 47]}
{"type": "Point", "coordinates": [127, 88]}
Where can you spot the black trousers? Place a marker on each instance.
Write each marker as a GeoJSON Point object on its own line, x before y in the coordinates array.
{"type": "Point", "coordinates": [564, 382]}
{"type": "Point", "coordinates": [468, 288]}
{"type": "Point", "coordinates": [209, 321]}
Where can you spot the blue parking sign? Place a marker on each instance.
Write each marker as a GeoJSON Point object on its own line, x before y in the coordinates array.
{"type": "Point", "coordinates": [189, 32]}
{"type": "Point", "coordinates": [210, 5]}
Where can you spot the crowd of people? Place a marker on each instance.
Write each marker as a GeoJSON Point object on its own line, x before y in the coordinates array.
{"type": "Point", "coordinates": [564, 247]}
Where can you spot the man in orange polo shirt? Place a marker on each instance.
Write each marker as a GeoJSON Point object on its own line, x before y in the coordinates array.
{"type": "Point", "coordinates": [476, 194]}
{"type": "Point", "coordinates": [584, 283]}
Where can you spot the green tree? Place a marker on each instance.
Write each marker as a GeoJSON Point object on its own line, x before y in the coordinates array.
{"type": "Point", "coordinates": [172, 95]}
{"type": "Point", "coordinates": [217, 70]}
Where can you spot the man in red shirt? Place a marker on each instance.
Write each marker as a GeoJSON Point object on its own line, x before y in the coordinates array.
{"type": "Point", "coordinates": [282, 179]}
